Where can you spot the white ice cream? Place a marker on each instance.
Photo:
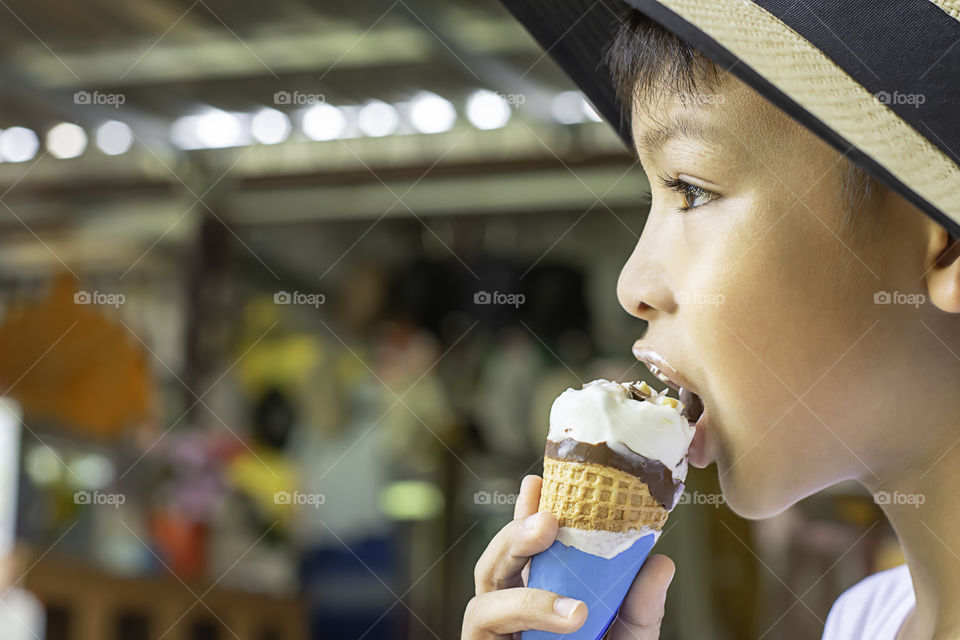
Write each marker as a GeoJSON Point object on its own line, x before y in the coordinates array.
{"type": "Point", "coordinates": [604, 411]}
{"type": "Point", "coordinates": [605, 544]}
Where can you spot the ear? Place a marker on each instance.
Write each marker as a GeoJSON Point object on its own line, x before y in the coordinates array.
{"type": "Point", "coordinates": [943, 269]}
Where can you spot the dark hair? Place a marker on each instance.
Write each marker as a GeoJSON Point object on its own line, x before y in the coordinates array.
{"type": "Point", "coordinates": [647, 62]}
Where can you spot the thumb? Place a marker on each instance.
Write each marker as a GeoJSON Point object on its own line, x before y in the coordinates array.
{"type": "Point", "coordinates": [642, 610]}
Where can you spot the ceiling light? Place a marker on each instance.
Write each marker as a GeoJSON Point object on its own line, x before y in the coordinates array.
{"type": "Point", "coordinates": [66, 140]}
{"type": "Point", "coordinates": [217, 129]}
{"type": "Point", "coordinates": [487, 110]}
{"type": "Point", "coordinates": [568, 107]}
{"type": "Point", "coordinates": [18, 144]}
{"type": "Point", "coordinates": [270, 126]}
{"type": "Point", "coordinates": [323, 122]}
{"type": "Point", "coordinates": [378, 119]}
{"type": "Point", "coordinates": [114, 137]}
{"type": "Point", "coordinates": [429, 113]}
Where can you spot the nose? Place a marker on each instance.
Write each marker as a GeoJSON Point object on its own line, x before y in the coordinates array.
{"type": "Point", "coordinates": [643, 288]}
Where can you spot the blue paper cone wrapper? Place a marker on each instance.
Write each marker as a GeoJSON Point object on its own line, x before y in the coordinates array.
{"type": "Point", "coordinates": [601, 583]}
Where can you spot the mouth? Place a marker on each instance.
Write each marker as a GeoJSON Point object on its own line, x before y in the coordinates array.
{"type": "Point", "coordinates": [662, 371]}
{"type": "Point", "coordinates": [701, 449]}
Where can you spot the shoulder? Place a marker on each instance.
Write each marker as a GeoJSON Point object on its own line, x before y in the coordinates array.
{"type": "Point", "coordinates": [873, 608]}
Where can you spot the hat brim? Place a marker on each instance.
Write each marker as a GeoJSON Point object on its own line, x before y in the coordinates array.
{"type": "Point", "coordinates": [839, 97]}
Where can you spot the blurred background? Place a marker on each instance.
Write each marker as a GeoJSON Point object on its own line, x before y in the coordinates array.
{"type": "Point", "coordinates": [286, 291]}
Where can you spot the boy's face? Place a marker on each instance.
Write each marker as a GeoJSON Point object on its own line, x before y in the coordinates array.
{"type": "Point", "coordinates": [764, 304]}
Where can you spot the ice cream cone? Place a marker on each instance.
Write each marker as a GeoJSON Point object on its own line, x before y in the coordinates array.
{"type": "Point", "coordinates": [593, 497]}
{"type": "Point", "coordinates": [613, 469]}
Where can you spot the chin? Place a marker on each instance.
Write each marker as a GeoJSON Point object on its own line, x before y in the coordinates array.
{"type": "Point", "coordinates": [752, 497]}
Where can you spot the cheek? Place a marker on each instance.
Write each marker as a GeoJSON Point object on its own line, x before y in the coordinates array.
{"type": "Point", "coordinates": [786, 317]}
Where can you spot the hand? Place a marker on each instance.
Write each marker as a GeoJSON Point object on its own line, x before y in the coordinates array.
{"type": "Point", "coordinates": [641, 613]}
{"type": "Point", "coordinates": [503, 607]}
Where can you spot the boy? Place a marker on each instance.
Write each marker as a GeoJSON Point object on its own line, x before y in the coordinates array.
{"type": "Point", "coordinates": [830, 236]}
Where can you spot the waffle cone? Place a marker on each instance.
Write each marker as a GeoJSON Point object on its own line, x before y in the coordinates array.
{"type": "Point", "coordinates": [592, 496]}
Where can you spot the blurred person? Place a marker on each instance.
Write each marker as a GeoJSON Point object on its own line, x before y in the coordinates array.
{"type": "Point", "coordinates": [256, 551]}
{"type": "Point", "coordinates": [509, 378]}
{"type": "Point", "coordinates": [417, 419]}
{"type": "Point", "coordinates": [348, 548]}
{"type": "Point", "coordinates": [763, 274]}
{"type": "Point", "coordinates": [262, 471]}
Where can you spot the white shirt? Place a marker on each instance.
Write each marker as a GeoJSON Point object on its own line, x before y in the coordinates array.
{"type": "Point", "coordinates": [872, 609]}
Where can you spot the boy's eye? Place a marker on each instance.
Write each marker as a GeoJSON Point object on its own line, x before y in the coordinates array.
{"type": "Point", "coordinates": [693, 196]}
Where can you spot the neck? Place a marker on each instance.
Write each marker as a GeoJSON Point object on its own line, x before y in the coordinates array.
{"type": "Point", "coordinates": [925, 514]}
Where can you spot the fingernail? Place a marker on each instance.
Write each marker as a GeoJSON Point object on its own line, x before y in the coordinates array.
{"type": "Point", "coordinates": [565, 606]}
{"type": "Point", "coordinates": [530, 521]}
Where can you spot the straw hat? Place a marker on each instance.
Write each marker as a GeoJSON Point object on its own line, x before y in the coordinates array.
{"type": "Point", "coordinates": [876, 79]}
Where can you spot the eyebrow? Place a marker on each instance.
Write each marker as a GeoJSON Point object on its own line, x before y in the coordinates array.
{"type": "Point", "coordinates": [677, 127]}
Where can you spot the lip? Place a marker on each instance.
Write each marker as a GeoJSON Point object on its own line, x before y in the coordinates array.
{"type": "Point", "coordinates": [700, 453]}
{"type": "Point", "coordinates": [660, 368]}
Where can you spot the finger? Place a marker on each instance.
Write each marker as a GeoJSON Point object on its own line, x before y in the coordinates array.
{"type": "Point", "coordinates": [504, 558]}
{"type": "Point", "coordinates": [499, 614]}
{"type": "Point", "coordinates": [642, 610]}
{"type": "Point", "coordinates": [528, 501]}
